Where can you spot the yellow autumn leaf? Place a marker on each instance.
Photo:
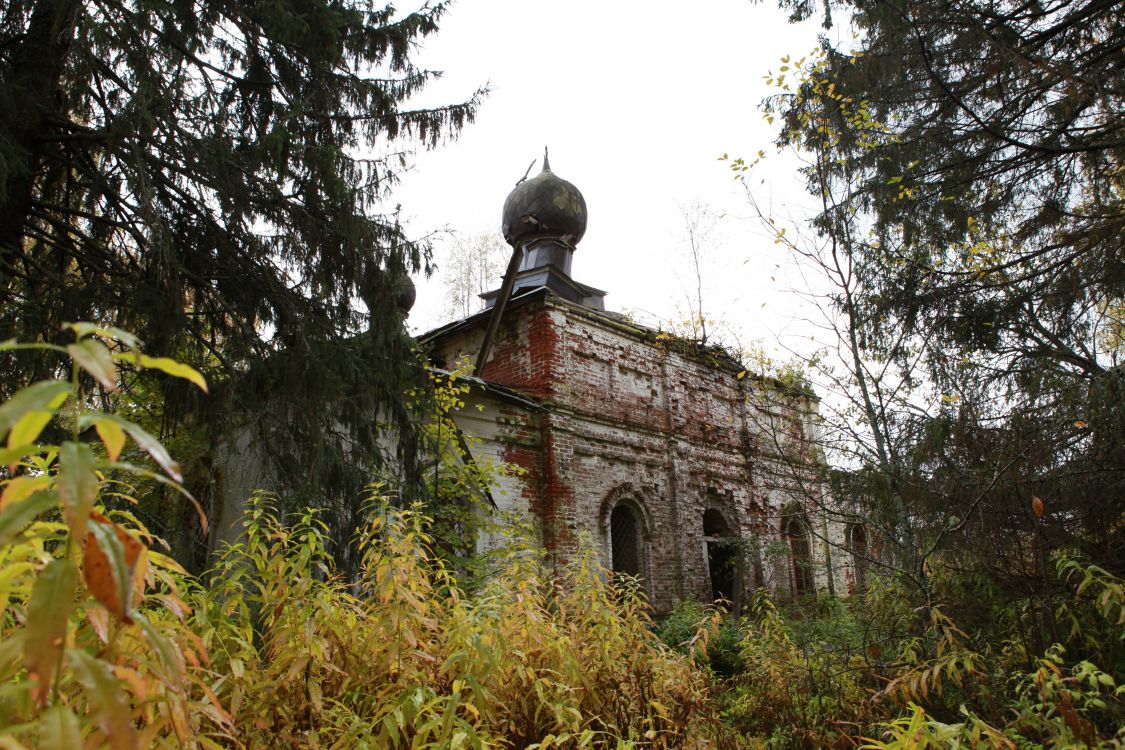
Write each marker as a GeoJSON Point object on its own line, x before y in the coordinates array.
{"type": "Point", "coordinates": [169, 366]}
{"type": "Point", "coordinates": [112, 437]}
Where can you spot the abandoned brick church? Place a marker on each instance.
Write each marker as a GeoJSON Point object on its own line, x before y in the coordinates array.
{"type": "Point", "coordinates": [665, 455]}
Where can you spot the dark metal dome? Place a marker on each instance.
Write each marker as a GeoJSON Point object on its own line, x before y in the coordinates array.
{"type": "Point", "coordinates": [405, 294]}
{"type": "Point", "coordinates": [545, 206]}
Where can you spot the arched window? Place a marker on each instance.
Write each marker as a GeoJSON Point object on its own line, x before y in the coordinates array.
{"type": "Point", "coordinates": [625, 540]}
{"type": "Point", "coordinates": [857, 541]}
{"type": "Point", "coordinates": [796, 534]}
{"type": "Point", "coordinates": [721, 555]}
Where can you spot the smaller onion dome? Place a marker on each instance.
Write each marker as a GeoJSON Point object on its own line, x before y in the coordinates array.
{"type": "Point", "coordinates": [405, 294]}
{"type": "Point", "coordinates": [544, 206]}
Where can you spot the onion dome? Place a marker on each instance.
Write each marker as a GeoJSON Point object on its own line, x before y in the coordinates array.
{"type": "Point", "coordinates": [405, 294]}
{"type": "Point", "coordinates": [545, 206]}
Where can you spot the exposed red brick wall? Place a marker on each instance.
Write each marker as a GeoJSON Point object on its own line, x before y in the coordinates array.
{"type": "Point", "coordinates": [629, 418]}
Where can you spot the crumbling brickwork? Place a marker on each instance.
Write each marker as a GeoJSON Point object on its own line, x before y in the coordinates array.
{"type": "Point", "coordinates": [640, 437]}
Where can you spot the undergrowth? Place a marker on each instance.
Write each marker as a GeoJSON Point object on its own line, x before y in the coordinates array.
{"type": "Point", "coordinates": [104, 642]}
{"type": "Point", "coordinates": [880, 672]}
{"type": "Point", "coordinates": [401, 657]}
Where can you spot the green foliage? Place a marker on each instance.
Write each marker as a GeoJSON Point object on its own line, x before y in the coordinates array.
{"type": "Point", "coordinates": [1058, 699]}
{"type": "Point", "coordinates": [969, 204]}
{"type": "Point", "coordinates": [1054, 705]}
{"type": "Point", "coordinates": [970, 201]}
{"type": "Point", "coordinates": [455, 487]}
{"type": "Point", "coordinates": [916, 732]}
{"type": "Point", "coordinates": [796, 690]}
{"type": "Point", "coordinates": [884, 671]}
{"type": "Point", "coordinates": [106, 643]}
{"type": "Point", "coordinates": [101, 646]}
{"type": "Point", "coordinates": [968, 182]}
{"type": "Point", "coordinates": [790, 376]}
{"type": "Point", "coordinates": [989, 167]}
{"type": "Point", "coordinates": [95, 649]}
{"type": "Point", "coordinates": [706, 633]}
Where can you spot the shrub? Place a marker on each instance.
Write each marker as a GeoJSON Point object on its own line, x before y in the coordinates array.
{"type": "Point", "coordinates": [706, 633]}
{"type": "Point", "coordinates": [94, 644]}
{"type": "Point", "coordinates": [1059, 701]}
{"type": "Point", "coordinates": [106, 643]}
{"type": "Point", "coordinates": [791, 693]}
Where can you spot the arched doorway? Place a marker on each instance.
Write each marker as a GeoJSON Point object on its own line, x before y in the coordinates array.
{"type": "Point", "coordinates": [722, 556]}
{"type": "Point", "coordinates": [626, 542]}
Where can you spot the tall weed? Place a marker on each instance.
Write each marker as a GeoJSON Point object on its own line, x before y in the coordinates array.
{"type": "Point", "coordinates": [104, 642]}
{"type": "Point", "coordinates": [401, 657]}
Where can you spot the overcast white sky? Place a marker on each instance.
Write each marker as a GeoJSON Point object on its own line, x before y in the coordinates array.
{"type": "Point", "coordinates": [636, 100]}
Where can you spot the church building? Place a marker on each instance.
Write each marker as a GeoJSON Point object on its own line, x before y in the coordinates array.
{"type": "Point", "coordinates": [667, 457]}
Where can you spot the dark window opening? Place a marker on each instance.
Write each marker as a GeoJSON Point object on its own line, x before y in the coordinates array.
{"type": "Point", "coordinates": [858, 544]}
{"type": "Point", "coordinates": [721, 561]}
{"type": "Point", "coordinates": [625, 541]}
{"type": "Point", "coordinates": [714, 524]}
{"type": "Point", "coordinates": [722, 557]}
{"type": "Point", "coordinates": [797, 535]}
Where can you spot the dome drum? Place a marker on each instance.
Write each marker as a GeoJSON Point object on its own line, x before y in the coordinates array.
{"type": "Point", "coordinates": [546, 251]}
